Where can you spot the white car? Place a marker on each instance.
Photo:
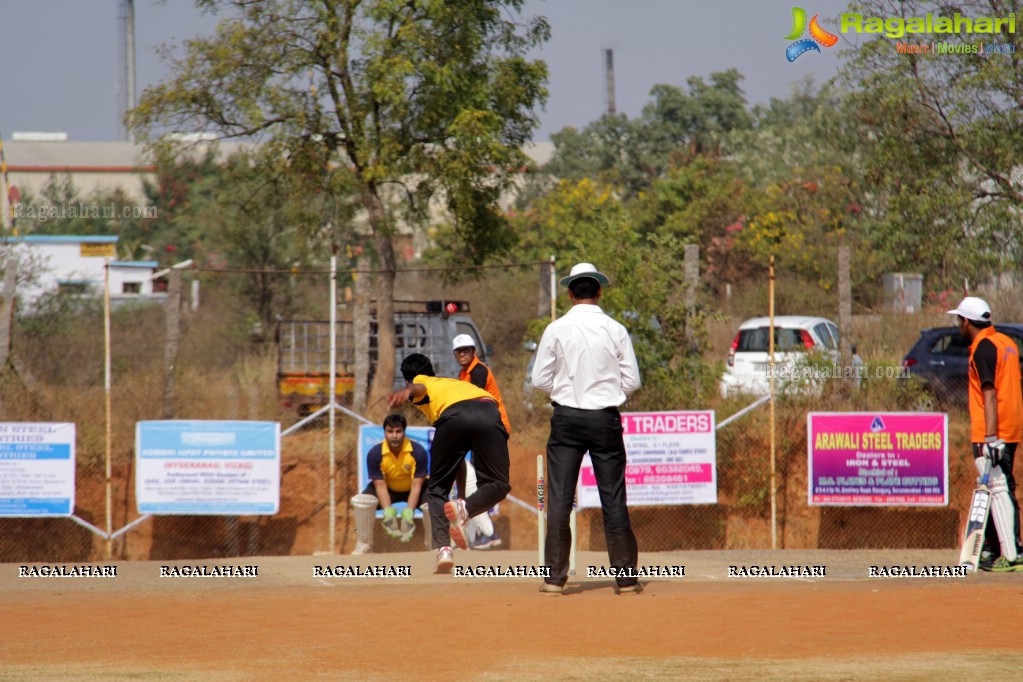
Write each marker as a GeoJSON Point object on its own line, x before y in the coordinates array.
{"type": "Point", "coordinates": [794, 335]}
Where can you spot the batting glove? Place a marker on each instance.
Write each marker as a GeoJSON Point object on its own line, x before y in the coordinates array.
{"type": "Point", "coordinates": [390, 522]}
{"type": "Point", "coordinates": [408, 526]}
{"type": "Point", "coordinates": [993, 448]}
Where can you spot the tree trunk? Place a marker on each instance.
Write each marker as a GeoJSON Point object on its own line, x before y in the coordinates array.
{"type": "Point", "coordinates": [172, 319]}
{"type": "Point", "coordinates": [383, 378]}
{"type": "Point", "coordinates": [360, 331]}
{"type": "Point", "coordinates": [383, 374]}
{"type": "Point", "coordinates": [692, 281]}
{"type": "Point", "coordinates": [7, 306]}
{"type": "Point", "coordinates": [844, 299]}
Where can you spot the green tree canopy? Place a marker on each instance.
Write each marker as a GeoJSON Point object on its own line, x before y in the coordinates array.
{"type": "Point", "coordinates": [675, 125]}
{"type": "Point", "coordinates": [393, 101]}
{"type": "Point", "coordinates": [943, 135]}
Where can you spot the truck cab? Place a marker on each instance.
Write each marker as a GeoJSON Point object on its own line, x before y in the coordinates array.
{"type": "Point", "coordinates": [303, 350]}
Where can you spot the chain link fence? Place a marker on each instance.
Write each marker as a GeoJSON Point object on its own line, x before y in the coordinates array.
{"type": "Point", "coordinates": [220, 375]}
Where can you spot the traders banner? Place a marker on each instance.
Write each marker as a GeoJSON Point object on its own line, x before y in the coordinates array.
{"type": "Point", "coordinates": [670, 460]}
{"type": "Point", "coordinates": [878, 458]}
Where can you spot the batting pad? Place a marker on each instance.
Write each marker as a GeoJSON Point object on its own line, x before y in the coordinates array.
{"type": "Point", "coordinates": [1002, 512]}
{"type": "Point", "coordinates": [982, 463]}
{"type": "Point", "coordinates": [479, 525]}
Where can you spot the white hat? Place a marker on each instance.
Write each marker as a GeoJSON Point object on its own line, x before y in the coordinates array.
{"type": "Point", "coordinates": [585, 270]}
{"type": "Point", "coordinates": [462, 341]}
{"type": "Point", "coordinates": [973, 309]}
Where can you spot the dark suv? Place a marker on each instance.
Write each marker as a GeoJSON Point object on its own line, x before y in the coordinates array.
{"type": "Point", "coordinates": [940, 357]}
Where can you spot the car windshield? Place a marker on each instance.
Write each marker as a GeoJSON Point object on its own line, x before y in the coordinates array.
{"type": "Point", "coordinates": [756, 340]}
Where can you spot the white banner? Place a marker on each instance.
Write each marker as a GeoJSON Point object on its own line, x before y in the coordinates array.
{"type": "Point", "coordinates": [228, 468]}
{"type": "Point", "coordinates": [37, 469]}
{"type": "Point", "coordinates": [671, 460]}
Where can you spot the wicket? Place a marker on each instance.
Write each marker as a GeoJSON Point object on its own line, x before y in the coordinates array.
{"type": "Point", "coordinates": [540, 520]}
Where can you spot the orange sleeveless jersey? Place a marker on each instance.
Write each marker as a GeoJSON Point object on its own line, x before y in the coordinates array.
{"type": "Point", "coordinates": [490, 388]}
{"type": "Point", "coordinates": [1007, 388]}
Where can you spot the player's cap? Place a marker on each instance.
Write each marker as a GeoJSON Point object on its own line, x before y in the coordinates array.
{"type": "Point", "coordinates": [462, 341]}
{"type": "Point", "coordinates": [973, 309]}
{"type": "Point", "coordinates": [585, 270]}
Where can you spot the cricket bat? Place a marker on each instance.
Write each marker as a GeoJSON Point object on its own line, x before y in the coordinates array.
{"type": "Point", "coordinates": [976, 523]}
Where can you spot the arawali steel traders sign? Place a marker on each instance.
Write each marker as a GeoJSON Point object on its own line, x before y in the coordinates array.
{"type": "Point", "coordinates": [878, 458]}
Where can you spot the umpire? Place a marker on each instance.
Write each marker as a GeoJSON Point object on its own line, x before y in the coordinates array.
{"type": "Point", "coordinates": [586, 363]}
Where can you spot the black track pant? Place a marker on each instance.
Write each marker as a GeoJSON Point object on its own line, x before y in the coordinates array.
{"type": "Point", "coordinates": [573, 433]}
{"type": "Point", "coordinates": [469, 425]}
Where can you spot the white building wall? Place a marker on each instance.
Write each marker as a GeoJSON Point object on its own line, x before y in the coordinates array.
{"type": "Point", "coordinates": [77, 264]}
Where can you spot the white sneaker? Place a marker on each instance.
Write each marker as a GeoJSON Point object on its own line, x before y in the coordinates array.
{"type": "Point", "coordinates": [458, 518]}
{"type": "Point", "coordinates": [362, 548]}
{"type": "Point", "coordinates": [445, 560]}
{"type": "Point", "coordinates": [486, 542]}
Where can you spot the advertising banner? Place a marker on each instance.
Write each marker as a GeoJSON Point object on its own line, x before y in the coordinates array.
{"type": "Point", "coordinates": [228, 468]}
{"type": "Point", "coordinates": [878, 459]}
{"type": "Point", "coordinates": [671, 460]}
{"type": "Point", "coordinates": [37, 469]}
{"type": "Point", "coordinates": [370, 435]}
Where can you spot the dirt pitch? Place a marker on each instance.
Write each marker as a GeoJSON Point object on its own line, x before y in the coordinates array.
{"type": "Point", "coordinates": [287, 623]}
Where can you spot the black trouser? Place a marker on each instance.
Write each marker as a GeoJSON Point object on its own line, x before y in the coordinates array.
{"type": "Point", "coordinates": [573, 433]}
{"type": "Point", "coordinates": [991, 542]}
{"type": "Point", "coordinates": [469, 425]}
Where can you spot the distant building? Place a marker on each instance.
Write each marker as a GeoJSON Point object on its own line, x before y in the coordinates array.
{"type": "Point", "coordinates": [106, 166]}
{"type": "Point", "coordinates": [92, 166]}
{"type": "Point", "coordinates": [75, 265]}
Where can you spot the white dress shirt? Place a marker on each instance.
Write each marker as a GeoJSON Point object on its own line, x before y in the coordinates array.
{"type": "Point", "coordinates": [585, 360]}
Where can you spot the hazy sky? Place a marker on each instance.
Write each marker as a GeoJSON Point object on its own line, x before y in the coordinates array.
{"type": "Point", "coordinates": [60, 59]}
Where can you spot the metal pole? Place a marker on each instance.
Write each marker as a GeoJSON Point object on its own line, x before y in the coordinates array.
{"type": "Point", "coordinates": [5, 200]}
{"type": "Point", "coordinates": [128, 46]}
{"type": "Point", "coordinates": [106, 389]}
{"type": "Point", "coordinates": [333, 371]}
{"type": "Point", "coordinates": [770, 366]}
{"type": "Point", "coordinates": [554, 293]}
{"type": "Point", "coordinates": [609, 70]}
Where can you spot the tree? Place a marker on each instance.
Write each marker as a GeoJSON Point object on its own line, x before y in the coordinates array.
{"type": "Point", "coordinates": [256, 216]}
{"type": "Point", "coordinates": [393, 102]}
{"type": "Point", "coordinates": [676, 125]}
{"type": "Point", "coordinates": [945, 139]}
{"type": "Point", "coordinates": [183, 192]}
{"type": "Point", "coordinates": [699, 119]}
{"type": "Point", "coordinates": [61, 209]}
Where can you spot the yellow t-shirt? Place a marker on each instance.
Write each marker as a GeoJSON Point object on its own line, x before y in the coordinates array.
{"type": "Point", "coordinates": [442, 393]}
{"type": "Point", "coordinates": [398, 470]}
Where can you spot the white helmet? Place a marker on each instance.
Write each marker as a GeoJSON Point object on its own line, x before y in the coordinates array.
{"type": "Point", "coordinates": [462, 341]}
